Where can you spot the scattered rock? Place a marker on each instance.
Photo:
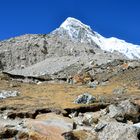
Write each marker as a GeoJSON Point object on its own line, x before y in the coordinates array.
{"type": "Point", "coordinates": [87, 119]}
{"type": "Point", "coordinates": [104, 83]}
{"type": "Point", "coordinates": [6, 94]}
{"type": "Point", "coordinates": [93, 84]}
{"type": "Point", "coordinates": [119, 91]}
{"type": "Point", "coordinates": [14, 84]}
{"type": "Point", "coordinates": [85, 98]}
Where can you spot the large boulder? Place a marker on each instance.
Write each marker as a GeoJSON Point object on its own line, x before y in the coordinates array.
{"type": "Point", "coordinates": [133, 64]}
{"type": "Point", "coordinates": [129, 107]}
{"type": "Point", "coordinates": [44, 127]}
{"type": "Point", "coordinates": [50, 125]}
{"type": "Point", "coordinates": [85, 98]}
{"type": "Point", "coordinates": [123, 111]}
{"type": "Point", "coordinates": [113, 130]}
{"type": "Point", "coordinates": [91, 117]}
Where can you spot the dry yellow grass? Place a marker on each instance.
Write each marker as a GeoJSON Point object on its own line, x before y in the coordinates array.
{"type": "Point", "coordinates": [53, 95]}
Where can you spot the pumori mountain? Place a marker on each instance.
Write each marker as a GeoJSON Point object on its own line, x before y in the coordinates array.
{"type": "Point", "coordinates": [65, 51]}
{"type": "Point", "coordinates": [81, 32]}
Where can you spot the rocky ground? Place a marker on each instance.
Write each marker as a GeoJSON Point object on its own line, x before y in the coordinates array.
{"type": "Point", "coordinates": [59, 110]}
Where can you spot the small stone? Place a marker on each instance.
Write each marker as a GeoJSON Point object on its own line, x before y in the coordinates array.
{"type": "Point", "coordinates": [119, 91]}
{"type": "Point", "coordinates": [73, 114]}
{"type": "Point", "coordinates": [93, 84]}
{"type": "Point", "coordinates": [100, 126]}
{"type": "Point", "coordinates": [104, 83]}
{"type": "Point", "coordinates": [69, 136]}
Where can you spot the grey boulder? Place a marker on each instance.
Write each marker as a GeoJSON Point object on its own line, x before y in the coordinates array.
{"type": "Point", "coordinates": [118, 131]}
{"type": "Point", "coordinates": [124, 110]}
{"type": "Point", "coordinates": [85, 98]}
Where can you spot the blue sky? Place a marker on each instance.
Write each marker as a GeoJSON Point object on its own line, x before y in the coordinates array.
{"type": "Point", "coordinates": [118, 18]}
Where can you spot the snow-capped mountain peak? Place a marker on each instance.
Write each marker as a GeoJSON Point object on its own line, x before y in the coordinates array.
{"type": "Point", "coordinates": [77, 30]}
{"type": "Point", "coordinates": [75, 23]}
{"type": "Point", "coordinates": [83, 33]}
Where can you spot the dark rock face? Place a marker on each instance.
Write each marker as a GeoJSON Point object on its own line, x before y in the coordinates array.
{"type": "Point", "coordinates": [7, 133]}
{"type": "Point", "coordinates": [1, 66]}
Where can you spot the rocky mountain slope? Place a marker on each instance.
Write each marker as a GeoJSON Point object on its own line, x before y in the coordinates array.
{"type": "Point", "coordinates": [72, 47]}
